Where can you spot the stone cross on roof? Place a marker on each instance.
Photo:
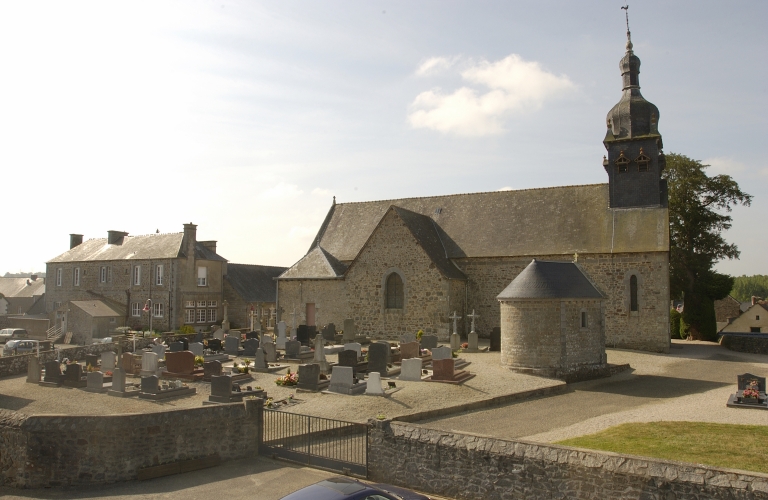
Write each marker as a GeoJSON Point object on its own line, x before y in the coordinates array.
{"type": "Point", "coordinates": [454, 318]}
{"type": "Point", "coordinates": [473, 316]}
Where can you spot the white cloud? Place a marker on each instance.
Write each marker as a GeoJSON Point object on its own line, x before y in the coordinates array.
{"type": "Point", "coordinates": [282, 191]}
{"type": "Point", "coordinates": [724, 165]}
{"type": "Point", "coordinates": [435, 65]}
{"type": "Point", "coordinates": [513, 86]}
{"type": "Point", "coordinates": [322, 192]}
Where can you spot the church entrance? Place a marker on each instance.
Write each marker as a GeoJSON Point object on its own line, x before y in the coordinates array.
{"type": "Point", "coordinates": [310, 314]}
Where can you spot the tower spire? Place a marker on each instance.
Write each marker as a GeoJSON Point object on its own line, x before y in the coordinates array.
{"type": "Point", "coordinates": [625, 8]}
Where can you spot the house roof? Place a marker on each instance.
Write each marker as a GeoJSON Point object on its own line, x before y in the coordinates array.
{"type": "Point", "coordinates": [254, 283]}
{"type": "Point", "coordinates": [317, 264]}
{"type": "Point", "coordinates": [150, 246]}
{"type": "Point", "coordinates": [560, 220]}
{"type": "Point", "coordinates": [21, 287]}
{"type": "Point", "coordinates": [95, 308]}
{"type": "Point", "coordinates": [550, 280]}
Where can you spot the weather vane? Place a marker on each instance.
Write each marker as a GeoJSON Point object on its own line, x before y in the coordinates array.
{"type": "Point", "coordinates": [626, 15]}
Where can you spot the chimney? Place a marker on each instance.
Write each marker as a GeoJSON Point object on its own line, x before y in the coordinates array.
{"type": "Point", "coordinates": [33, 277]}
{"type": "Point", "coordinates": [74, 240]}
{"type": "Point", "coordinates": [190, 240]}
{"type": "Point", "coordinates": [116, 237]}
{"type": "Point", "coordinates": [210, 245]}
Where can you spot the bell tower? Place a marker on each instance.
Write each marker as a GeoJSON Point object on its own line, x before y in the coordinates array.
{"type": "Point", "coordinates": [635, 158]}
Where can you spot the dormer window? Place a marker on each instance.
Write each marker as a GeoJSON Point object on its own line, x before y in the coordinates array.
{"type": "Point", "coordinates": [642, 162]}
{"type": "Point", "coordinates": [622, 162]}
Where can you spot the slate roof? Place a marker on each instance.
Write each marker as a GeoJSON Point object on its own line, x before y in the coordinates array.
{"type": "Point", "coordinates": [95, 308]}
{"type": "Point", "coordinates": [254, 283]}
{"type": "Point", "coordinates": [21, 287]}
{"type": "Point", "coordinates": [317, 264]}
{"type": "Point", "coordinates": [550, 280]}
{"type": "Point", "coordinates": [150, 246]}
{"type": "Point", "coordinates": [559, 220]}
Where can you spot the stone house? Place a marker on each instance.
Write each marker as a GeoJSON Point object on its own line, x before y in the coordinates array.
{"type": "Point", "coordinates": [92, 319]}
{"type": "Point", "coordinates": [726, 310]}
{"type": "Point", "coordinates": [183, 278]}
{"type": "Point", "coordinates": [251, 290]}
{"type": "Point", "coordinates": [398, 266]}
{"type": "Point", "coordinates": [20, 294]}
{"type": "Point", "coordinates": [753, 320]}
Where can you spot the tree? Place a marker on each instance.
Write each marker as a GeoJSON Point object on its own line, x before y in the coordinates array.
{"type": "Point", "coordinates": [698, 214]}
{"type": "Point", "coordinates": [745, 287]}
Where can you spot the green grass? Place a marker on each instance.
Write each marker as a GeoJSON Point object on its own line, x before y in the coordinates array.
{"type": "Point", "coordinates": [720, 445]}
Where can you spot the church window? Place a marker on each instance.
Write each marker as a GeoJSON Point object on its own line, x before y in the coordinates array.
{"type": "Point", "coordinates": [622, 162]}
{"type": "Point", "coordinates": [394, 291]}
{"type": "Point", "coordinates": [633, 293]}
{"type": "Point", "coordinates": [642, 162]}
{"type": "Point", "coordinates": [583, 319]}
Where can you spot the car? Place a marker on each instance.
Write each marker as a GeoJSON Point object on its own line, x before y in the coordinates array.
{"type": "Point", "coordinates": [7, 334]}
{"type": "Point", "coordinates": [13, 347]}
{"type": "Point", "coordinates": [344, 488]}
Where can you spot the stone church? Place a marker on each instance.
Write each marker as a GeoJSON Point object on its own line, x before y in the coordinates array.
{"type": "Point", "coordinates": [397, 266]}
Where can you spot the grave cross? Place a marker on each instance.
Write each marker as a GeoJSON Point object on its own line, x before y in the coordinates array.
{"type": "Point", "coordinates": [250, 315]}
{"type": "Point", "coordinates": [279, 314]}
{"type": "Point", "coordinates": [226, 306]}
{"type": "Point", "coordinates": [455, 317]}
{"type": "Point", "coordinates": [473, 316]}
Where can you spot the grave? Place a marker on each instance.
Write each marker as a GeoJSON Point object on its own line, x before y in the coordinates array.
{"type": "Point", "coordinates": [354, 346]}
{"type": "Point", "coordinates": [294, 352]}
{"type": "Point", "coordinates": [197, 348]}
{"type": "Point", "coordinates": [152, 389]}
{"type": "Point", "coordinates": [329, 333]}
{"type": "Point", "coordinates": [302, 335]}
{"type": "Point", "coordinates": [407, 338]}
{"type": "Point", "coordinates": [159, 349]}
{"type": "Point", "coordinates": [219, 334]}
{"type": "Point", "coordinates": [107, 361]}
{"type": "Point", "coordinates": [74, 377]}
{"type": "Point", "coordinates": [232, 346]}
{"type": "Point", "coordinates": [215, 345]}
{"type": "Point", "coordinates": [744, 382]}
{"type": "Point", "coordinates": [95, 383]}
{"type": "Point", "coordinates": [93, 360]}
{"type": "Point", "coordinates": [131, 363]}
{"type": "Point", "coordinates": [252, 335]}
{"type": "Point", "coordinates": [176, 347]}
{"type": "Point", "coordinates": [472, 343]}
{"type": "Point", "coordinates": [53, 376]}
{"type": "Point", "coordinates": [410, 370]}
{"type": "Point", "coordinates": [428, 341]}
{"type": "Point", "coordinates": [211, 368]}
{"type": "Point", "coordinates": [496, 339]}
{"type": "Point", "coordinates": [350, 331]}
{"type": "Point", "coordinates": [309, 379]}
{"type": "Point", "coordinates": [344, 382]}
{"type": "Point", "coordinates": [319, 358]}
{"type": "Point", "coordinates": [250, 346]}
{"type": "Point", "coordinates": [281, 338]}
{"type": "Point", "coordinates": [33, 370]}
{"type": "Point", "coordinates": [148, 364]}
{"type": "Point", "coordinates": [455, 341]}
{"type": "Point", "coordinates": [270, 352]}
{"type": "Point", "coordinates": [352, 359]}
{"type": "Point", "coordinates": [119, 388]}
{"type": "Point", "coordinates": [222, 391]}
{"type": "Point", "coordinates": [447, 353]}
{"type": "Point", "coordinates": [443, 370]}
{"type": "Point", "coordinates": [261, 365]}
{"type": "Point", "coordinates": [373, 384]}
{"type": "Point", "coordinates": [409, 350]}
{"type": "Point", "coordinates": [379, 360]}
{"type": "Point", "coordinates": [181, 365]}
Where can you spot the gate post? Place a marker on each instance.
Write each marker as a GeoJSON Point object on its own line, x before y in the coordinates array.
{"type": "Point", "coordinates": [254, 408]}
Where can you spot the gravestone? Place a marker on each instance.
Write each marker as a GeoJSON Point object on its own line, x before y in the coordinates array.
{"type": "Point", "coordinates": [223, 391]}
{"type": "Point", "coordinates": [73, 376]}
{"type": "Point", "coordinates": [343, 381]}
{"type": "Point", "coordinates": [118, 380]}
{"type": "Point", "coordinates": [410, 370]}
{"type": "Point", "coordinates": [107, 361]}
{"type": "Point", "coordinates": [292, 349]}
{"type": "Point", "coordinates": [472, 345]}
{"type": "Point", "coordinates": [219, 334]}
{"type": "Point", "coordinates": [92, 359]}
{"type": "Point", "coordinates": [185, 344]}
{"type": "Point", "coordinates": [354, 346]}
{"type": "Point", "coordinates": [259, 360]}
{"type": "Point", "coordinates": [148, 364]}
{"type": "Point", "coordinates": [232, 345]}
{"type": "Point", "coordinates": [176, 347]}
{"type": "Point", "coordinates": [302, 334]}
{"type": "Point", "coordinates": [428, 341]}
{"type": "Point", "coordinates": [33, 370]}
{"type": "Point", "coordinates": [281, 338]}
{"type": "Point", "coordinates": [250, 346]}
{"type": "Point", "coordinates": [378, 359]}
{"type": "Point", "coordinates": [373, 384]}
{"type": "Point", "coordinates": [211, 368]}
{"type": "Point", "coordinates": [159, 349]}
{"type": "Point", "coordinates": [409, 350]}
{"type": "Point", "coordinates": [215, 345]}
{"type": "Point", "coordinates": [442, 353]}
{"type": "Point", "coordinates": [495, 339]}
{"type": "Point", "coordinates": [53, 372]}
{"type": "Point", "coordinates": [127, 362]}
{"type": "Point", "coordinates": [309, 378]}
{"type": "Point", "coordinates": [150, 384]}
{"type": "Point", "coordinates": [455, 341]}
{"type": "Point", "coordinates": [311, 332]}
{"type": "Point", "coordinates": [348, 357]}
{"type": "Point", "coordinates": [407, 337]}
{"type": "Point", "coordinates": [197, 348]}
{"type": "Point", "coordinates": [252, 335]}
{"type": "Point", "coordinates": [182, 362]}
{"type": "Point", "coordinates": [199, 337]}
{"type": "Point", "coordinates": [744, 380]}
{"type": "Point", "coordinates": [350, 330]}
{"type": "Point", "coordinates": [444, 370]}
{"type": "Point", "coordinates": [270, 352]}
{"type": "Point", "coordinates": [329, 333]}
{"type": "Point", "coordinates": [95, 382]}
{"type": "Point", "coordinates": [319, 352]}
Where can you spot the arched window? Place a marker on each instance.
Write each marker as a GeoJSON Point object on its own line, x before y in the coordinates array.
{"type": "Point", "coordinates": [394, 291]}
{"type": "Point", "coordinates": [633, 293]}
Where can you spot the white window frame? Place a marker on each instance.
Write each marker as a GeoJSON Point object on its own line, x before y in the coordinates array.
{"type": "Point", "coordinates": [103, 274]}
{"type": "Point", "coordinates": [76, 277]}
{"type": "Point", "coordinates": [136, 310]}
{"type": "Point", "coordinates": [189, 303]}
{"type": "Point", "coordinates": [189, 316]}
{"type": "Point", "coordinates": [59, 272]}
{"type": "Point", "coordinates": [213, 303]}
{"type": "Point", "coordinates": [136, 275]}
{"type": "Point", "coordinates": [158, 310]}
{"type": "Point", "coordinates": [201, 303]}
{"type": "Point", "coordinates": [202, 276]}
{"type": "Point", "coordinates": [211, 315]}
{"type": "Point", "coordinates": [159, 275]}
{"type": "Point", "coordinates": [201, 316]}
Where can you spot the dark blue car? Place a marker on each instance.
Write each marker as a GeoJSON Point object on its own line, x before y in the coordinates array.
{"type": "Point", "coordinates": [344, 488]}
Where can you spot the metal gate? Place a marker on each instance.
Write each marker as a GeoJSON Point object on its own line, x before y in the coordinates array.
{"type": "Point", "coordinates": [315, 441]}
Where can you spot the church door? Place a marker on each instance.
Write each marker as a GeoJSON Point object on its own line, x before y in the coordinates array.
{"type": "Point", "coordinates": [310, 314]}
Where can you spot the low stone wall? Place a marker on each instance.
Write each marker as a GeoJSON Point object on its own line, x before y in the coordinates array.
{"type": "Point", "coordinates": [754, 343]}
{"type": "Point", "coordinates": [42, 451]}
{"type": "Point", "coordinates": [468, 467]}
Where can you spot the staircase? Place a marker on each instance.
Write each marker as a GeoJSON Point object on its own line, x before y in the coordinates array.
{"type": "Point", "coordinates": [53, 333]}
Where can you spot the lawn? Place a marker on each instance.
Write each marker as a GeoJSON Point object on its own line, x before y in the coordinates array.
{"type": "Point", "coordinates": [720, 445]}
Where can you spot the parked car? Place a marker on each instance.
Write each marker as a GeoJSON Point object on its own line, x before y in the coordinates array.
{"type": "Point", "coordinates": [344, 488]}
{"type": "Point", "coordinates": [7, 334]}
{"type": "Point", "coordinates": [13, 347]}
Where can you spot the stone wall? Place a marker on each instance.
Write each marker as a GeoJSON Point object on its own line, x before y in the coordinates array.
{"type": "Point", "coordinates": [42, 451]}
{"type": "Point", "coordinates": [755, 343]}
{"type": "Point", "coordinates": [330, 295]}
{"type": "Point", "coordinates": [467, 467]}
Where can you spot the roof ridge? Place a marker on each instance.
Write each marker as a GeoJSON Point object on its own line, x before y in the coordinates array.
{"type": "Point", "coordinates": [138, 236]}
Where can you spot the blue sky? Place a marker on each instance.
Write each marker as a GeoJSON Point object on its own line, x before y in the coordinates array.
{"type": "Point", "coordinates": [246, 118]}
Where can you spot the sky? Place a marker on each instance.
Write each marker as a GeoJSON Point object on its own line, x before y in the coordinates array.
{"type": "Point", "coordinates": [247, 118]}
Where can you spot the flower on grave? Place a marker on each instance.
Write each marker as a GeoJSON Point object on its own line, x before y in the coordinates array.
{"type": "Point", "coordinates": [199, 361]}
{"type": "Point", "coordinates": [751, 391]}
{"type": "Point", "coordinates": [381, 416]}
{"type": "Point", "coordinates": [89, 368]}
{"type": "Point", "coordinates": [419, 334]}
{"type": "Point", "coordinates": [455, 354]}
{"type": "Point", "coordinates": [290, 396]}
{"type": "Point", "coordinates": [268, 404]}
{"type": "Point", "coordinates": [465, 345]}
{"type": "Point", "coordinates": [247, 362]}
{"type": "Point", "coordinates": [288, 379]}
{"type": "Point", "coordinates": [108, 373]}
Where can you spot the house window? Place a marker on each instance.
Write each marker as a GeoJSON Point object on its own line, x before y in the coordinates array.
{"type": "Point", "coordinates": [157, 310]}
{"type": "Point", "coordinates": [211, 315]}
{"type": "Point", "coordinates": [137, 275]}
{"type": "Point", "coordinates": [202, 276]}
{"type": "Point", "coordinates": [201, 315]}
{"type": "Point", "coordinates": [583, 319]}
{"type": "Point", "coordinates": [757, 317]}
{"type": "Point", "coordinates": [633, 293]}
{"type": "Point", "coordinates": [622, 162]}
{"type": "Point", "coordinates": [189, 316]}
{"type": "Point", "coordinates": [212, 303]}
{"type": "Point", "coordinates": [201, 303]}
{"type": "Point", "coordinates": [159, 275]}
{"type": "Point", "coordinates": [136, 310]}
{"type": "Point", "coordinates": [58, 277]}
{"type": "Point", "coordinates": [103, 274]}
{"type": "Point", "coordinates": [394, 291]}
{"type": "Point", "coordinates": [754, 329]}
{"type": "Point", "coordinates": [189, 303]}
{"type": "Point", "coordinates": [76, 277]}
{"type": "Point", "coordinates": [642, 162]}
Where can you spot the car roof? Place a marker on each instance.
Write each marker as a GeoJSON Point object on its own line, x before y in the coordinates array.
{"type": "Point", "coordinates": [335, 488]}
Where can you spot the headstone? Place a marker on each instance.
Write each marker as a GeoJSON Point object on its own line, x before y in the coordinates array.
{"type": "Point", "coordinates": [348, 358]}
{"type": "Point", "coordinates": [219, 334]}
{"type": "Point", "coordinates": [270, 352]}
{"type": "Point", "coordinates": [309, 378]}
{"type": "Point", "coordinates": [354, 346]}
{"type": "Point", "coordinates": [127, 362]}
{"type": "Point", "coordinates": [107, 361]}
{"type": "Point", "coordinates": [311, 332]}
{"type": "Point", "coordinates": [374, 384]}
{"type": "Point", "coordinates": [252, 335]}
{"type": "Point", "coordinates": [428, 341]}
{"type": "Point", "coordinates": [33, 370]}
{"type": "Point", "coordinates": [95, 382]}
{"type": "Point", "coordinates": [250, 346]}
{"type": "Point", "coordinates": [378, 357]}
{"type": "Point", "coordinates": [180, 362]}
{"type": "Point", "coordinates": [496, 339]}
{"type": "Point", "coordinates": [199, 337]}
{"type": "Point", "coordinates": [221, 386]}
{"type": "Point", "coordinates": [410, 370]}
{"type": "Point", "coordinates": [215, 345]}
{"type": "Point", "coordinates": [342, 381]}
{"type": "Point", "coordinates": [159, 349]}
{"type": "Point", "coordinates": [211, 368]}
{"type": "Point", "coordinates": [745, 379]}
{"type": "Point", "coordinates": [302, 334]}
{"type": "Point", "coordinates": [118, 380]}
{"type": "Point", "coordinates": [197, 348]}
{"type": "Point", "coordinates": [259, 359]}
{"type": "Point", "coordinates": [148, 364]}
{"type": "Point", "coordinates": [319, 352]}
{"type": "Point", "coordinates": [407, 337]}
{"type": "Point", "coordinates": [150, 384]}
{"type": "Point", "coordinates": [281, 338]}
{"type": "Point", "coordinates": [73, 373]}
{"type": "Point", "coordinates": [442, 369]}
{"type": "Point", "coordinates": [409, 350]}
{"type": "Point", "coordinates": [292, 349]}
{"type": "Point", "coordinates": [442, 353]}
{"type": "Point", "coordinates": [455, 341]}
{"type": "Point", "coordinates": [176, 346]}
{"type": "Point", "coordinates": [350, 330]}
{"type": "Point", "coordinates": [52, 372]}
{"type": "Point", "coordinates": [92, 359]}
{"type": "Point", "coordinates": [472, 341]}
{"type": "Point", "coordinates": [231, 345]}
{"type": "Point", "coordinates": [329, 333]}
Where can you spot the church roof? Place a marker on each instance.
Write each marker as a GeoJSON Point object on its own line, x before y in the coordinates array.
{"type": "Point", "coordinates": [254, 283]}
{"type": "Point", "coordinates": [550, 280]}
{"type": "Point", "coordinates": [547, 221]}
{"type": "Point", "coordinates": [317, 264]}
{"type": "Point", "coordinates": [150, 246]}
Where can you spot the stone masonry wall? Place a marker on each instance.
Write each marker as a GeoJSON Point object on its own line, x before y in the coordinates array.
{"type": "Point", "coordinates": [330, 295]}
{"type": "Point", "coordinates": [747, 342]}
{"type": "Point", "coordinates": [42, 451]}
{"type": "Point", "coordinates": [467, 467]}
{"type": "Point", "coordinates": [530, 334]}
{"type": "Point", "coordinates": [584, 346]}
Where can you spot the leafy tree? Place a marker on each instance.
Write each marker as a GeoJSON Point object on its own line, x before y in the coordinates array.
{"type": "Point", "coordinates": [698, 214]}
{"type": "Point", "coordinates": [674, 323]}
{"type": "Point", "coordinates": [745, 287]}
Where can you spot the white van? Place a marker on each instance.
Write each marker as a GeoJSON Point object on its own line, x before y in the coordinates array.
{"type": "Point", "coordinates": [7, 334]}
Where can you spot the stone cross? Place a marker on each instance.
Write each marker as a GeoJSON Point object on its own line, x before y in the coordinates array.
{"type": "Point", "coordinates": [259, 306]}
{"type": "Point", "coordinates": [455, 317]}
{"type": "Point", "coordinates": [473, 316]}
{"type": "Point", "coordinates": [250, 315]}
{"type": "Point", "coordinates": [279, 314]}
{"type": "Point", "coordinates": [225, 322]}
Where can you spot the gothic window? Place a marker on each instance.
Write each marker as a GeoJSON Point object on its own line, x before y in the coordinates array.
{"type": "Point", "coordinates": [633, 293]}
{"type": "Point", "coordinates": [622, 162]}
{"type": "Point", "coordinates": [394, 291]}
{"type": "Point", "coordinates": [642, 162]}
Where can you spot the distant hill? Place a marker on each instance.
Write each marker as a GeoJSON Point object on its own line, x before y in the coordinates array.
{"type": "Point", "coordinates": [23, 275]}
{"type": "Point", "coordinates": [744, 287]}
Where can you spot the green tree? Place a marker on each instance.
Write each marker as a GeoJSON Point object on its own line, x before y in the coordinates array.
{"type": "Point", "coordinates": [745, 287]}
{"type": "Point", "coordinates": [698, 214]}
